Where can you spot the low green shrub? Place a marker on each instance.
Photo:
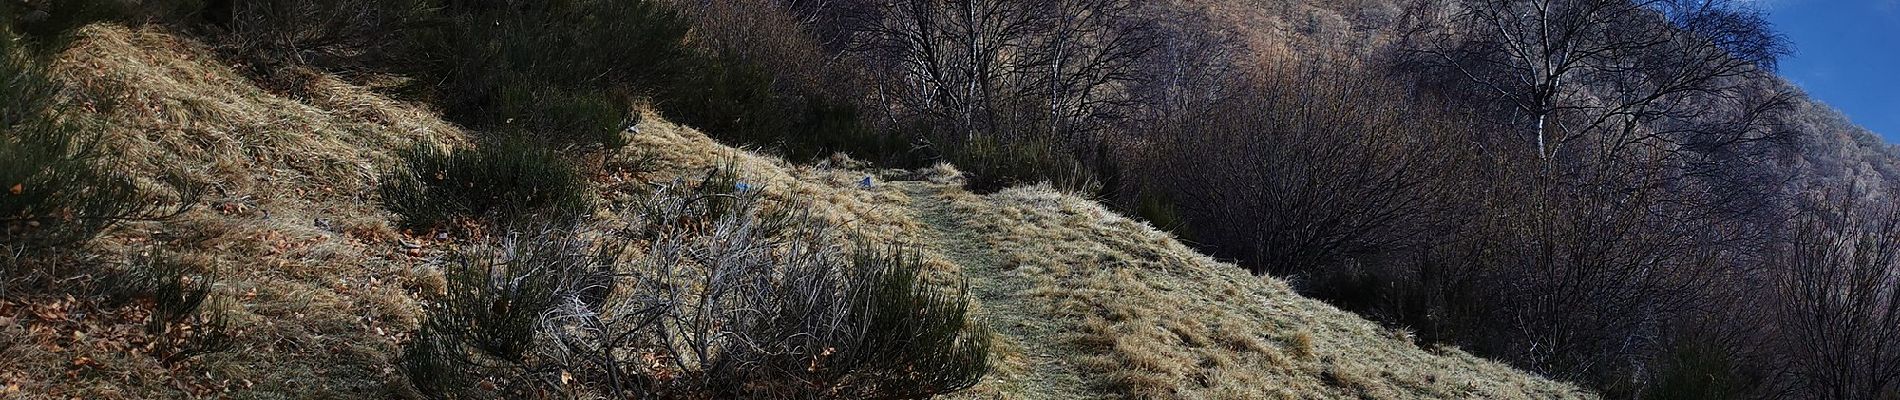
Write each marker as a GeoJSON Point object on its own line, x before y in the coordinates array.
{"type": "Point", "coordinates": [180, 325]}
{"type": "Point", "coordinates": [436, 363]}
{"type": "Point", "coordinates": [507, 181]}
{"type": "Point", "coordinates": [826, 126]}
{"type": "Point", "coordinates": [1163, 214]}
{"type": "Point", "coordinates": [55, 193]}
{"type": "Point", "coordinates": [729, 99]}
{"type": "Point", "coordinates": [917, 344]}
{"type": "Point", "coordinates": [497, 295]}
{"type": "Point", "coordinates": [527, 107]}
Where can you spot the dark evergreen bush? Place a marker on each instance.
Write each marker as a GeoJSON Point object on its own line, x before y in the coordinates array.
{"type": "Point", "coordinates": [917, 343]}
{"type": "Point", "coordinates": [50, 23]}
{"type": "Point", "coordinates": [1699, 370]}
{"type": "Point", "coordinates": [487, 320]}
{"type": "Point", "coordinates": [826, 126]}
{"type": "Point", "coordinates": [1162, 213]}
{"type": "Point", "coordinates": [729, 99]}
{"type": "Point", "coordinates": [565, 70]}
{"type": "Point", "coordinates": [436, 363]}
{"type": "Point", "coordinates": [508, 181]}
{"type": "Point", "coordinates": [992, 164]}
{"type": "Point", "coordinates": [266, 35]}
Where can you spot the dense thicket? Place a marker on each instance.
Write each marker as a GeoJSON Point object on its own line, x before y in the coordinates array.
{"type": "Point", "coordinates": [1837, 298]}
{"type": "Point", "coordinates": [1308, 166]}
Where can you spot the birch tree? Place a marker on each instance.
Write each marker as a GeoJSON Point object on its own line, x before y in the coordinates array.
{"type": "Point", "coordinates": [1617, 73]}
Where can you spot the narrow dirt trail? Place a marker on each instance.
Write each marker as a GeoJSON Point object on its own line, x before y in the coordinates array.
{"type": "Point", "coordinates": [1033, 364]}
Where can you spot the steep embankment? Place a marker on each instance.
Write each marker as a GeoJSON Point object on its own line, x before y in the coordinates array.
{"type": "Point", "coordinates": [1084, 303]}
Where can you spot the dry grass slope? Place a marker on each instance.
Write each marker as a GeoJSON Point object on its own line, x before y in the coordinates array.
{"type": "Point", "coordinates": [314, 277]}
{"type": "Point", "coordinates": [1146, 317]}
{"type": "Point", "coordinates": [1085, 303]}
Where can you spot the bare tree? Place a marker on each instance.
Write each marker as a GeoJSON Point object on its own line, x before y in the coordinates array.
{"type": "Point", "coordinates": [1004, 69]}
{"type": "Point", "coordinates": [1090, 52]}
{"type": "Point", "coordinates": [1302, 169]}
{"type": "Point", "coordinates": [1839, 313]}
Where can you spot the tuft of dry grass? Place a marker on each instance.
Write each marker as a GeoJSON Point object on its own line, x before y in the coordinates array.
{"type": "Point", "coordinates": [833, 191]}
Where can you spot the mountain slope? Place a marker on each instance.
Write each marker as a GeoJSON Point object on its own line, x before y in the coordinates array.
{"type": "Point", "coordinates": [1088, 303]}
{"type": "Point", "coordinates": [1085, 303]}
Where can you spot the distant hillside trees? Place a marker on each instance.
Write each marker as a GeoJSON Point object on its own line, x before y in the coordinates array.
{"type": "Point", "coordinates": [1616, 204]}
{"type": "Point", "coordinates": [1007, 68]}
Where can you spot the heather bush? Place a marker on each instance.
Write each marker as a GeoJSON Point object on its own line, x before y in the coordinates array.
{"type": "Point", "coordinates": [486, 322]}
{"type": "Point", "coordinates": [773, 308]}
{"type": "Point", "coordinates": [761, 78]}
{"type": "Point", "coordinates": [724, 296]}
{"type": "Point", "coordinates": [56, 187]}
{"type": "Point", "coordinates": [507, 181]}
{"type": "Point", "coordinates": [1699, 370]}
{"type": "Point", "coordinates": [180, 325]}
{"type": "Point", "coordinates": [487, 319]}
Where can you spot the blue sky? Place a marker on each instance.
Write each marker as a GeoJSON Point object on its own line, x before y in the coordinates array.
{"type": "Point", "coordinates": [1847, 54]}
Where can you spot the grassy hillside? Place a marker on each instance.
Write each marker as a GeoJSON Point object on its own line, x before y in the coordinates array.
{"type": "Point", "coordinates": [322, 291]}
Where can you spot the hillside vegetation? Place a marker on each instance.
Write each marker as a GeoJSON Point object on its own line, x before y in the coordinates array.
{"type": "Point", "coordinates": [788, 199]}
{"type": "Point", "coordinates": [320, 291]}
